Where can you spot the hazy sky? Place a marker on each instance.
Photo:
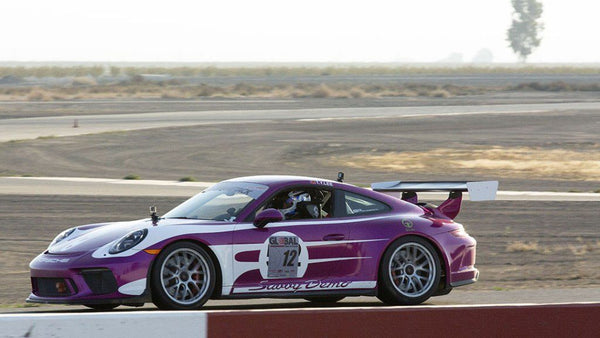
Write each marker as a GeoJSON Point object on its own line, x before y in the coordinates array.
{"type": "Point", "coordinates": [287, 30]}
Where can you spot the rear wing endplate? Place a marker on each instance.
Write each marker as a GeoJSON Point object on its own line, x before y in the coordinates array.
{"type": "Point", "coordinates": [478, 190]}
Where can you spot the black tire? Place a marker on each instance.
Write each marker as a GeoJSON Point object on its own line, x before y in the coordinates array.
{"type": "Point", "coordinates": [324, 299]}
{"type": "Point", "coordinates": [183, 277]}
{"type": "Point", "coordinates": [409, 273]}
{"type": "Point", "coordinates": [102, 307]}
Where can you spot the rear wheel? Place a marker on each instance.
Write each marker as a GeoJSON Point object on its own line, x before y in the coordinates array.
{"type": "Point", "coordinates": [183, 277]}
{"type": "Point", "coordinates": [324, 299]}
{"type": "Point", "coordinates": [410, 272]}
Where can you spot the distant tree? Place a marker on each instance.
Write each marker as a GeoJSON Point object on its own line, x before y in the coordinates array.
{"type": "Point", "coordinates": [524, 33]}
{"type": "Point", "coordinates": [483, 56]}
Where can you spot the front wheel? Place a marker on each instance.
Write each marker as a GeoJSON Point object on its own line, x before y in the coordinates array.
{"type": "Point", "coordinates": [183, 277]}
{"type": "Point", "coordinates": [410, 272]}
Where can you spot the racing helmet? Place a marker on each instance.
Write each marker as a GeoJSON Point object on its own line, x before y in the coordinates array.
{"type": "Point", "coordinates": [289, 206]}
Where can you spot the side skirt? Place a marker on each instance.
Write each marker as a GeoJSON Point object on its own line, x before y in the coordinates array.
{"type": "Point", "coordinates": [303, 294]}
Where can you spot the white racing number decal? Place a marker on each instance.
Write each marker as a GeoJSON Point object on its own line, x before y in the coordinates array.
{"type": "Point", "coordinates": [283, 255]}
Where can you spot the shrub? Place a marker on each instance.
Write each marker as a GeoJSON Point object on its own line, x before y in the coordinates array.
{"type": "Point", "coordinates": [84, 81]}
{"type": "Point", "coordinates": [132, 177]}
{"type": "Point", "coordinates": [357, 93]}
{"type": "Point", "coordinates": [38, 94]}
{"type": "Point", "coordinates": [173, 94]}
{"type": "Point", "coordinates": [323, 91]}
{"type": "Point", "coordinates": [442, 93]}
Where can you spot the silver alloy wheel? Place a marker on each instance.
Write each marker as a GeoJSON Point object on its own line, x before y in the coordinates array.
{"type": "Point", "coordinates": [185, 276]}
{"type": "Point", "coordinates": [412, 269]}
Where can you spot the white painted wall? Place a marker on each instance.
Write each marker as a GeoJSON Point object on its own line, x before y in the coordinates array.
{"type": "Point", "coordinates": [144, 324]}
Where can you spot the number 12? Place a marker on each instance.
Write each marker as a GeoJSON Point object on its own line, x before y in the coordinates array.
{"type": "Point", "coordinates": [289, 257]}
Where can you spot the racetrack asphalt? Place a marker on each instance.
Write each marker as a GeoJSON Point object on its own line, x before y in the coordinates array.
{"type": "Point", "coordinates": [35, 127]}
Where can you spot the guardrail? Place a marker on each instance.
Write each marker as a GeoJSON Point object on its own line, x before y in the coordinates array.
{"type": "Point", "coordinates": [551, 320]}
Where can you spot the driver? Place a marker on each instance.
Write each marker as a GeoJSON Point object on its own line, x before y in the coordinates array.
{"type": "Point", "coordinates": [289, 207]}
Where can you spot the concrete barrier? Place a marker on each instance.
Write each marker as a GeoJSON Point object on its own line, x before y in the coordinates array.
{"type": "Point", "coordinates": [552, 320]}
{"type": "Point", "coordinates": [143, 324]}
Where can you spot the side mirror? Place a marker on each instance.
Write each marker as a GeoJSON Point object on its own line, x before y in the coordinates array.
{"type": "Point", "coordinates": [267, 216]}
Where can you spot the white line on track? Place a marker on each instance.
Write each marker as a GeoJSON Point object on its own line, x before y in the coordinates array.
{"type": "Point", "coordinates": [421, 115]}
{"type": "Point", "coordinates": [117, 187]}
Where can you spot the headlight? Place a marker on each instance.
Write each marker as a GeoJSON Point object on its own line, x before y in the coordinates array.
{"type": "Point", "coordinates": [129, 241]}
{"type": "Point", "coordinates": [62, 236]}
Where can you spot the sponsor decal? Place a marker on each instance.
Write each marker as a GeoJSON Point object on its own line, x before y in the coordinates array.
{"type": "Point", "coordinates": [283, 240]}
{"type": "Point", "coordinates": [408, 224]}
{"type": "Point", "coordinates": [300, 286]}
{"type": "Point", "coordinates": [329, 184]}
{"type": "Point", "coordinates": [363, 211]}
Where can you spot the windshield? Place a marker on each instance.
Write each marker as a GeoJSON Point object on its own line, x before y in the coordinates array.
{"type": "Point", "coordinates": [221, 202]}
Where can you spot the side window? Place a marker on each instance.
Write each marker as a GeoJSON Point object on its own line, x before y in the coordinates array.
{"type": "Point", "coordinates": [301, 203]}
{"type": "Point", "coordinates": [355, 205]}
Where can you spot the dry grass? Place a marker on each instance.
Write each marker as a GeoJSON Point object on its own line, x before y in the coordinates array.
{"type": "Point", "coordinates": [559, 86]}
{"type": "Point", "coordinates": [519, 246]}
{"type": "Point", "coordinates": [575, 248]}
{"type": "Point", "coordinates": [86, 88]}
{"type": "Point", "coordinates": [38, 95]}
{"type": "Point", "coordinates": [173, 94]}
{"type": "Point", "coordinates": [141, 82]}
{"type": "Point", "coordinates": [584, 248]}
{"type": "Point", "coordinates": [524, 162]}
{"type": "Point", "coordinates": [297, 70]}
{"type": "Point", "coordinates": [51, 71]}
{"type": "Point", "coordinates": [440, 93]}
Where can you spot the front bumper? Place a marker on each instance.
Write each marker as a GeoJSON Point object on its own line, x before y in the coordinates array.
{"type": "Point", "coordinates": [82, 279]}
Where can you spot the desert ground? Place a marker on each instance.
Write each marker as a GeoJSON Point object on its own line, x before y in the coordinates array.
{"type": "Point", "coordinates": [528, 245]}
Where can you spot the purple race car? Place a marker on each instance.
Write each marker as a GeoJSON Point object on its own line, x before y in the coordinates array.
{"type": "Point", "coordinates": [269, 236]}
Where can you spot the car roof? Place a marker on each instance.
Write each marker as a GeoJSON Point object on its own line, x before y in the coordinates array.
{"type": "Point", "coordinates": [280, 181]}
{"type": "Point", "coordinates": [276, 180]}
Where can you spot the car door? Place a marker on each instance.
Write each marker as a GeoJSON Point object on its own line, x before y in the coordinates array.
{"type": "Point", "coordinates": [287, 256]}
{"type": "Point", "coordinates": [366, 239]}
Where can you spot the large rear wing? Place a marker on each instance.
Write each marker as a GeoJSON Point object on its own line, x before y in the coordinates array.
{"type": "Point", "coordinates": [478, 191]}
